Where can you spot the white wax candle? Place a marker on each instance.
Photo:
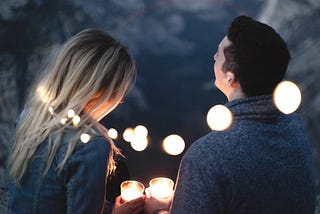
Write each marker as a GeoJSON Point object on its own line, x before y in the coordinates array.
{"type": "Point", "coordinates": [131, 190]}
{"type": "Point", "coordinates": [161, 187]}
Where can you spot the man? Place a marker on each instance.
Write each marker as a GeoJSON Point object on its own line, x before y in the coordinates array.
{"type": "Point", "coordinates": [262, 163]}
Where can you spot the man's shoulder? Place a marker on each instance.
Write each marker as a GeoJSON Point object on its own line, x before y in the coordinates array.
{"type": "Point", "coordinates": [211, 145]}
{"type": "Point", "coordinates": [212, 140]}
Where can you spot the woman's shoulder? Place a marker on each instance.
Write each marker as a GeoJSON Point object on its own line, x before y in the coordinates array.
{"type": "Point", "coordinates": [84, 144]}
{"type": "Point", "coordinates": [91, 141]}
{"type": "Point", "coordinates": [94, 150]}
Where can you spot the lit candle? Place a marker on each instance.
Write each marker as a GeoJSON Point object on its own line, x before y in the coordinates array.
{"type": "Point", "coordinates": [131, 190]}
{"type": "Point", "coordinates": [161, 187]}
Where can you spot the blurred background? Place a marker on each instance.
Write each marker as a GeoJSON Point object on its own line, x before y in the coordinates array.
{"type": "Point", "coordinates": [173, 42]}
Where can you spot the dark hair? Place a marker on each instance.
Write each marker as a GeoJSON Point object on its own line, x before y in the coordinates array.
{"type": "Point", "coordinates": [257, 55]}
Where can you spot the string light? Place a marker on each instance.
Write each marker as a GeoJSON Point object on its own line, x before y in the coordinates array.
{"type": "Point", "coordinates": [113, 133]}
{"type": "Point", "coordinates": [43, 94]}
{"type": "Point", "coordinates": [173, 144]}
{"type": "Point", "coordinates": [85, 138]}
{"type": "Point", "coordinates": [139, 143]}
{"type": "Point", "coordinates": [287, 97]}
{"type": "Point", "coordinates": [76, 120]}
{"type": "Point", "coordinates": [51, 110]}
{"type": "Point", "coordinates": [219, 118]}
{"type": "Point", "coordinates": [71, 113]}
{"type": "Point", "coordinates": [63, 120]}
{"type": "Point", "coordinates": [128, 134]}
{"type": "Point", "coordinates": [141, 131]}
{"type": "Point", "coordinates": [137, 137]}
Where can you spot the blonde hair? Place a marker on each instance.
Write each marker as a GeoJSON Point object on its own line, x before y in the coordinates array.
{"type": "Point", "coordinates": [90, 75]}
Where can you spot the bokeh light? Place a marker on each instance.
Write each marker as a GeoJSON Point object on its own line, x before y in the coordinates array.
{"type": "Point", "coordinates": [141, 131]}
{"type": "Point", "coordinates": [71, 113]}
{"type": "Point", "coordinates": [51, 110]}
{"type": "Point", "coordinates": [173, 144]}
{"type": "Point", "coordinates": [63, 120]}
{"type": "Point", "coordinates": [138, 137]}
{"type": "Point", "coordinates": [76, 120]}
{"type": "Point", "coordinates": [85, 138]}
{"type": "Point", "coordinates": [113, 133]}
{"type": "Point", "coordinates": [128, 134]}
{"type": "Point", "coordinates": [139, 143]}
{"type": "Point", "coordinates": [43, 94]}
{"type": "Point", "coordinates": [287, 97]}
{"type": "Point", "coordinates": [219, 118]}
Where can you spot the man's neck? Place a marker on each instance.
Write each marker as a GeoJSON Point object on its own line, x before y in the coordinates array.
{"type": "Point", "coordinates": [236, 93]}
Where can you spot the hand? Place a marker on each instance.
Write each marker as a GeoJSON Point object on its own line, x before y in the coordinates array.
{"type": "Point", "coordinates": [131, 207]}
{"type": "Point", "coordinates": [152, 204]}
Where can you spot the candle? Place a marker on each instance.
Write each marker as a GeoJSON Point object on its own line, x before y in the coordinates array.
{"type": "Point", "coordinates": [131, 190]}
{"type": "Point", "coordinates": [161, 187]}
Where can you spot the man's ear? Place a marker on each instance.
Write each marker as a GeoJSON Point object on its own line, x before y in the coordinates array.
{"type": "Point", "coordinates": [230, 78]}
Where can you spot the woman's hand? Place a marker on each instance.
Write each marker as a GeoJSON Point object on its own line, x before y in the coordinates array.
{"type": "Point", "coordinates": [153, 204]}
{"type": "Point", "coordinates": [131, 207]}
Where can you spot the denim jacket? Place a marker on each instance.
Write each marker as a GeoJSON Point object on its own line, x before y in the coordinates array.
{"type": "Point", "coordinates": [79, 188]}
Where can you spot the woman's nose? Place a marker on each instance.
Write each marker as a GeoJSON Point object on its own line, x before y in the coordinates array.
{"type": "Point", "coordinates": [215, 57]}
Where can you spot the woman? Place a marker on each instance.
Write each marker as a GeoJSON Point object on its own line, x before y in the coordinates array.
{"type": "Point", "coordinates": [61, 154]}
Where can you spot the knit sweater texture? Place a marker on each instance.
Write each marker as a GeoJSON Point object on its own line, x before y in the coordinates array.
{"type": "Point", "coordinates": [261, 164]}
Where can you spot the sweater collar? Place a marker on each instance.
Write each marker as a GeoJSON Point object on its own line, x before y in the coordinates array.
{"type": "Point", "coordinates": [257, 107]}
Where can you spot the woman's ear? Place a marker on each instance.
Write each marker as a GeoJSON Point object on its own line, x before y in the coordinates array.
{"type": "Point", "coordinates": [230, 78]}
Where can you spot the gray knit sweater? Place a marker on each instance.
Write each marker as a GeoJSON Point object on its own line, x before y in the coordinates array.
{"type": "Point", "coordinates": [261, 164]}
